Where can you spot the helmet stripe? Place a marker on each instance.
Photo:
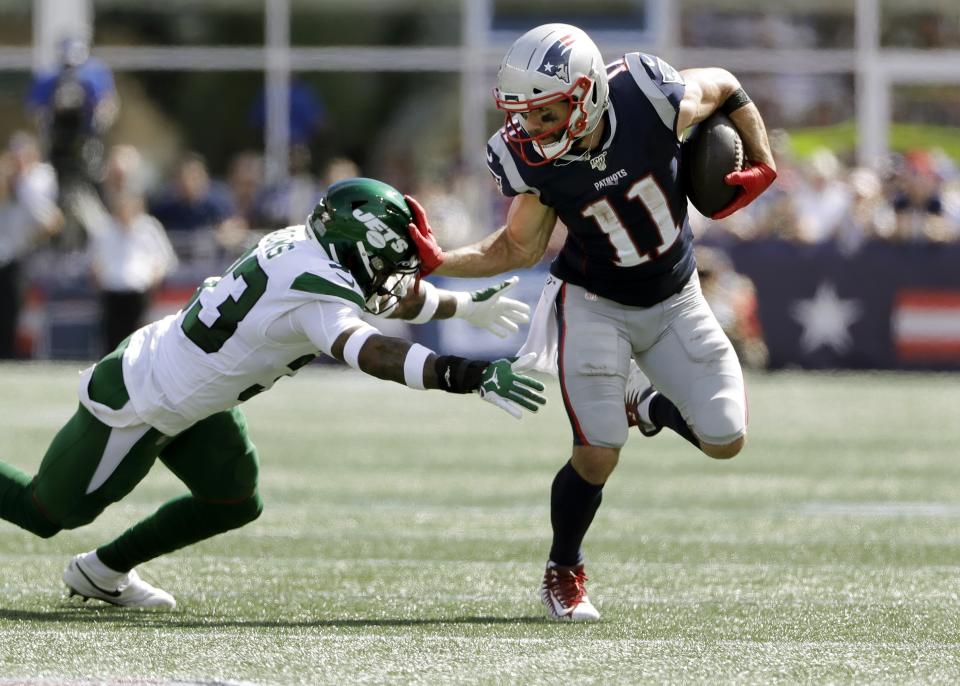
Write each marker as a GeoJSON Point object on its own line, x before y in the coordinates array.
{"type": "Point", "coordinates": [365, 258]}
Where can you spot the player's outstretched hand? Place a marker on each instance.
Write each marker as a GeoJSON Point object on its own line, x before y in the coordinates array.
{"type": "Point", "coordinates": [753, 181]}
{"type": "Point", "coordinates": [502, 385]}
{"type": "Point", "coordinates": [489, 309]}
{"type": "Point", "coordinates": [431, 255]}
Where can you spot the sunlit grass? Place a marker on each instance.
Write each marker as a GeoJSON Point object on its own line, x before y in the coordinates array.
{"type": "Point", "coordinates": [405, 533]}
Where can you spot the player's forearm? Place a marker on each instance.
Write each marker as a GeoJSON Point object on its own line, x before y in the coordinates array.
{"type": "Point", "coordinates": [387, 358]}
{"type": "Point", "coordinates": [756, 145]}
{"type": "Point", "coordinates": [383, 357]}
{"type": "Point", "coordinates": [372, 353]}
{"type": "Point", "coordinates": [494, 255]}
{"type": "Point", "coordinates": [412, 304]}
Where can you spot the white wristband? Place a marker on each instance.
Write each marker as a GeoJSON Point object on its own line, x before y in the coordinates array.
{"type": "Point", "coordinates": [431, 301]}
{"type": "Point", "coordinates": [351, 350]}
{"type": "Point", "coordinates": [464, 301]}
{"type": "Point", "coordinates": [414, 364]}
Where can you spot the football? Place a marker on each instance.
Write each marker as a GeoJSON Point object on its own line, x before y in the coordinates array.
{"type": "Point", "coordinates": [712, 150]}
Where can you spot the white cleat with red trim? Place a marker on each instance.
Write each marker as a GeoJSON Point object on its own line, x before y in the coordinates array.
{"type": "Point", "coordinates": [564, 595]}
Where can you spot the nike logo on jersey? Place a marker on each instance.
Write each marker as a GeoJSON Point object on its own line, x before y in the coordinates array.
{"type": "Point", "coordinates": [349, 282]}
{"type": "Point", "coordinates": [611, 180]}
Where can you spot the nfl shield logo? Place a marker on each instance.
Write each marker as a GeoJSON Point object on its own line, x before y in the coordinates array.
{"type": "Point", "coordinates": [599, 162]}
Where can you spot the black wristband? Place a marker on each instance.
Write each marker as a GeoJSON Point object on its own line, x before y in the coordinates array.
{"type": "Point", "coordinates": [735, 102]}
{"type": "Point", "coordinates": [458, 374]}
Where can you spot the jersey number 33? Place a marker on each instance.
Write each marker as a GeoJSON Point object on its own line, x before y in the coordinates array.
{"type": "Point", "coordinates": [222, 302]}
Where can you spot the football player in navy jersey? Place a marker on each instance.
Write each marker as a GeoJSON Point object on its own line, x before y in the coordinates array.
{"type": "Point", "coordinates": [599, 148]}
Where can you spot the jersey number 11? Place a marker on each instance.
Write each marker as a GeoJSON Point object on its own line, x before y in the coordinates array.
{"type": "Point", "coordinates": [657, 206]}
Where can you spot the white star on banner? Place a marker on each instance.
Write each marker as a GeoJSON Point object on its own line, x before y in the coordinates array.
{"type": "Point", "coordinates": [826, 319]}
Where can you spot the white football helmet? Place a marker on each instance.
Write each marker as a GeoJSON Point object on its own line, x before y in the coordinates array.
{"type": "Point", "coordinates": [549, 64]}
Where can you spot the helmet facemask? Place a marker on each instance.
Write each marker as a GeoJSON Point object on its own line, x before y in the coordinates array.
{"type": "Point", "coordinates": [388, 288]}
{"type": "Point", "coordinates": [570, 127]}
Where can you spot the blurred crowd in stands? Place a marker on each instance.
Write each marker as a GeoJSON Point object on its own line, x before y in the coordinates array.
{"type": "Point", "coordinates": [66, 191]}
{"type": "Point", "coordinates": [912, 197]}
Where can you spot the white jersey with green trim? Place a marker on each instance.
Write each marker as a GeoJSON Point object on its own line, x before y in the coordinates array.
{"type": "Point", "coordinates": [222, 347]}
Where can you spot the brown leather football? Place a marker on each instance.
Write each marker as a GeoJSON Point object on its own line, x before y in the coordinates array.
{"type": "Point", "coordinates": [712, 150]}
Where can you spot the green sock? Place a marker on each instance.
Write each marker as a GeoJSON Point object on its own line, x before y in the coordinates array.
{"type": "Point", "coordinates": [17, 504]}
{"type": "Point", "coordinates": [178, 523]}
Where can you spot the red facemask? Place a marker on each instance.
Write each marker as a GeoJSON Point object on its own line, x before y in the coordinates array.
{"type": "Point", "coordinates": [572, 126]}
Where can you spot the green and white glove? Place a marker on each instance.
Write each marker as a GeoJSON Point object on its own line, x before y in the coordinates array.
{"type": "Point", "coordinates": [489, 309]}
{"type": "Point", "coordinates": [502, 385]}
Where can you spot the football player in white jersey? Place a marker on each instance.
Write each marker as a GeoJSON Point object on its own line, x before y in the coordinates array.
{"type": "Point", "coordinates": [172, 389]}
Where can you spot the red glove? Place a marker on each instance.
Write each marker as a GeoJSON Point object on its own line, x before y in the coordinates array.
{"type": "Point", "coordinates": [753, 181]}
{"type": "Point", "coordinates": [431, 256]}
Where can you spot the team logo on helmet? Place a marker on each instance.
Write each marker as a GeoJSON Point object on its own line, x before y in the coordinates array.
{"type": "Point", "coordinates": [378, 233]}
{"type": "Point", "coordinates": [556, 60]}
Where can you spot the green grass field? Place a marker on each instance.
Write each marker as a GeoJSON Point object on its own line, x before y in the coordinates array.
{"type": "Point", "coordinates": [405, 533]}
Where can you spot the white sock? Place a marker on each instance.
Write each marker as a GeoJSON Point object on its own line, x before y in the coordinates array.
{"type": "Point", "coordinates": [93, 564]}
{"type": "Point", "coordinates": [643, 409]}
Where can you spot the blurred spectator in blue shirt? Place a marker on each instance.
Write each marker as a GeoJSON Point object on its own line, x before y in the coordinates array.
{"type": "Point", "coordinates": [193, 208]}
{"type": "Point", "coordinates": [74, 107]}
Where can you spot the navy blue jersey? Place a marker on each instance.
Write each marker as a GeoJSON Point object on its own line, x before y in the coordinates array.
{"type": "Point", "coordinates": [623, 204]}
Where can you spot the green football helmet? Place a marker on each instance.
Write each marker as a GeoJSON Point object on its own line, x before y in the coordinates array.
{"type": "Point", "coordinates": [362, 224]}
